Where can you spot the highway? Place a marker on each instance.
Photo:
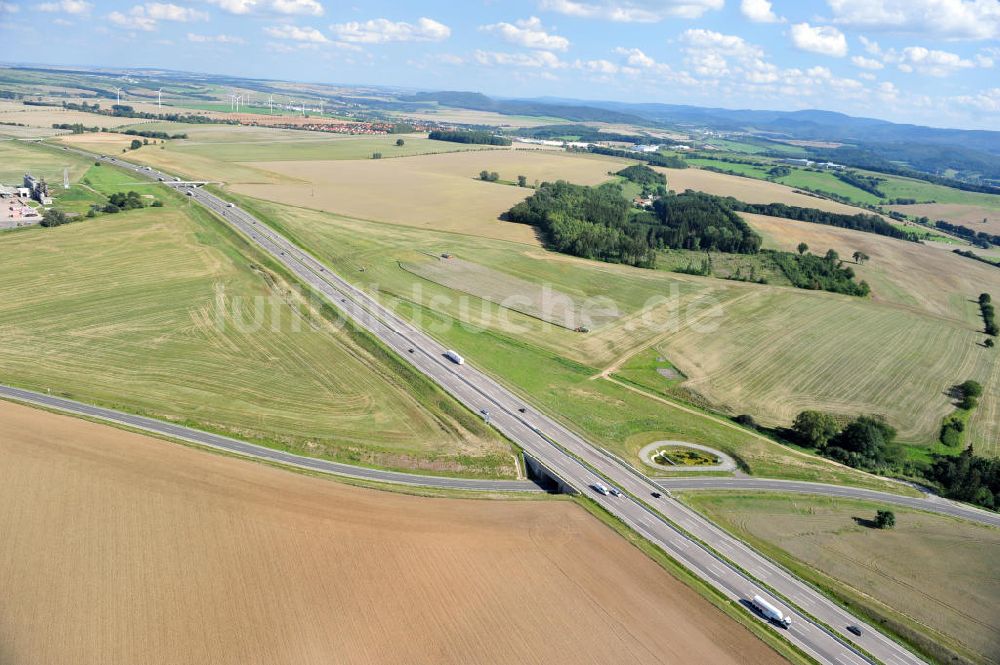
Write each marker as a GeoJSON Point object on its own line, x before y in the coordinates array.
{"type": "Point", "coordinates": [928, 502]}
{"type": "Point", "coordinates": [818, 625]}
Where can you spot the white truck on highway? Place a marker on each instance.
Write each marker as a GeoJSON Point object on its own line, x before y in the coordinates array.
{"type": "Point", "coordinates": [454, 357]}
{"type": "Point", "coordinates": [770, 612]}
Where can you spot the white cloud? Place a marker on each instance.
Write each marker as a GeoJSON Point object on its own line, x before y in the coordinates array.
{"type": "Point", "coordinates": [871, 46]}
{"type": "Point", "coordinates": [380, 31]}
{"type": "Point", "coordinates": [866, 63]}
{"type": "Point", "coordinates": [145, 17]}
{"type": "Point", "coordinates": [604, 67]}
{"type": "Point", "coordinates": [636, 58]}
{"type": "Point", "coordinates": [708, 53]}
{"type": "Point", "coordinates": [759, 11]}
{"type": "Point", "coordinates": [161, 11]}
{"type": "Point", "coordinates": [531, 60]}
{"type": "Point", "coordinates": [528, 33]}
{"type": "Point", "coordinates": [700, 38]}
{"type": "Point", "coordinates": [297, 7]}
{"type": "Point", "coordinates": [296, 34]}
{"type": "Point", "coordinates": [288, 7]}
{"type": "Point", "coordinates": [133, 21]}
{"type": "Point", "coordinates": [214, 39]}
{"type": "Point", "coordinates": [9, 8]}
{"type": "Point", "coordinates": [627, 11]}
{"type": "Point", "coordinates": [66, 6]}
{"type": "Point", "coordinates": [987, 100]}
{"type": "Point", "coordinates": [958, 19]}
{"type": "Point", "coordinates": [823, 39]}
{"type": "Point", "coordinates": [930, 62]}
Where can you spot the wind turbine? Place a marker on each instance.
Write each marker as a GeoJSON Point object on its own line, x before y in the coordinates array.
{"type": "Point", "coordinates": [270, 104]}
{"type": "Point", "coordinates": [159, 99]}
{"type": "Point", "coordinates": [118, 91]}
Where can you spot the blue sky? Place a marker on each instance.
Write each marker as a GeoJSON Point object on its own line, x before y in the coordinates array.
{"type": "Point", "coordinates": [924, 61]}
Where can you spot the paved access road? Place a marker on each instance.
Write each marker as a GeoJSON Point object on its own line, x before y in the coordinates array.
{"type": "Point", "coordinates": [928, 502]}
{"type": "Point", "coordinates": [261, 452]}
{"type": "Point", "coordinates": [735, 569]}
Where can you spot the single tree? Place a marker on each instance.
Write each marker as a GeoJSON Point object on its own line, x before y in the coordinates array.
{"type": "Point", "coordinates": [522, 181]}
{"type": "Point", "coordinates": [831, 256]}
{"type": "Point", "coordinates": [803, 248]}
{"type": "Point", "coordinates": [885, 519]}
{"type": "Point", "coordinates": [971, 388]}
{"type": "Point", "coordinates": [376, 155]}
{"type": "Point", "coordinates": [815, 428]}
{"type": "Point", "coordinates": [484, 175]}
{"type": "Point", "coordinates": [136, 144]}
{"type": "Point", "coordinates": [400, 143]}
{"type": "Point", "coordinates": [989, 343]}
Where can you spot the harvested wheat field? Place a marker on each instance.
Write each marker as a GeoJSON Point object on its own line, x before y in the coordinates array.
{"type": "Point", "coordinates": [440, 192]}
{"type": "Point", "coordinates": [928, 277]}
{"type": "Point", "coordinates": [749, 190]}
{"type": "Point", "coordinates": [956, 213]}
{"type": "Point", "coordinates": [120, 548]}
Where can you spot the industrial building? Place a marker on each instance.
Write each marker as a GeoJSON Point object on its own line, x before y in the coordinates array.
{"type": "Point", "coordinates": [38, 189]}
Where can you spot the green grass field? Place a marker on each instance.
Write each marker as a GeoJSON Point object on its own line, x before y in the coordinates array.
{"type": "Point", "coordinates": [19, 157]}
{"type": "Point", "coordinates": [843, 354]}
{"type": "Point", "coordinates": [930, 580]}
{"type": "Point", "coordinates": [908, 188]}
{"type": "Point", "coordinates": [164, 312]}
{"type": "Point", "coordinates": [553, 366]}
{"type": "Point", "coordinates": [805, 179]}
{"type": "Point", "coordinates": [345, 147]}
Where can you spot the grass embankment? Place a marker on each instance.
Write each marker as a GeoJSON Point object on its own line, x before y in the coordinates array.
{"type": "Point", "coordinates": [929, 581]}
{"type": "Point", "coordinates": [168, 313]}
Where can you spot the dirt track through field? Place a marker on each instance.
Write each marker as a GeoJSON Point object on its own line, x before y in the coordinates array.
{"type": "Point", "coordinates": [119, 548]}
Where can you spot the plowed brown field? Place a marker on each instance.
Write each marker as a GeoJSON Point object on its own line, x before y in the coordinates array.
{"type": "Point", "coordinates": [119, 548]}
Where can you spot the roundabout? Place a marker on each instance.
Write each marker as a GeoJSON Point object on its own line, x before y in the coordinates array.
{"type": "Point", "coordinates": [683, 456]}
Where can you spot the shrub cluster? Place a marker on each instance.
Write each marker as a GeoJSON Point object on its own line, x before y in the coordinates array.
{"type": "Point", "coordinates": [808, 271]}
{"type": "Point", "coordinates": [867, 442]}
{"type": "Point", "coordinates": [643, 175]}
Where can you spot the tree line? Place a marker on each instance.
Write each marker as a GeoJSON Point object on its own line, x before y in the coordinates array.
{"type": "Point", "coordinates": [989, 315]}
{"type": "Point", "coordinates": [464, 136]}
{"type": "Point", "coordinates": [860, 222]}
{"type": "Point", "coordinates": [980, 238]}
{"type": "Point", "coordinates": [976, 257]}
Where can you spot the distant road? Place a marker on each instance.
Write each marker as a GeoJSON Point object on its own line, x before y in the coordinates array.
{"type": "Point", "coordinates": [928, 502]}
{"type": "Point", "coordinates": [737, 571]}
{"type": "Point", "coordinates": [260, 452]}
